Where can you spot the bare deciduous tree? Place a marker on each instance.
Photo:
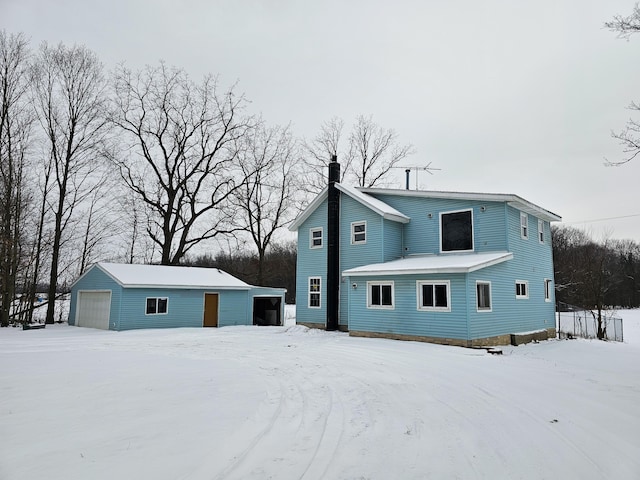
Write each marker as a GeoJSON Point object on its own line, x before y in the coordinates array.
{"type": "Point", "coordinates": [374, 152]}
{"type": "Point", "coordinates": [266, 201]}
{"type": "Point", "coordinates": [15, 135]}
{"type": "Point", "coordinates": [69, 88]}
{"type": "Point", "coordinates": [367, 156]}
{"type": "Point", "coordinates": [181, 158]}
{"type": "Point", "coordinates": [629, 137]}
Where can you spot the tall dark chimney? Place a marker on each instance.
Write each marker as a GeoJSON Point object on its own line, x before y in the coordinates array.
{"type": "Point", "coordinates": [333, 245]}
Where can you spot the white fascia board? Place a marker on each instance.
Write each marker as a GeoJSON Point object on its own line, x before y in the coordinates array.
{"type": "Point", "coordinates": [511, 199]}
{"type": "Point", "coordinates": [189, 287]}
{"type": "Point", "coordinates": [315, 203]}
{"type": "Point", "coordinates": [379, 268]}
{"type": "Point", "coordinates": [389, 214]}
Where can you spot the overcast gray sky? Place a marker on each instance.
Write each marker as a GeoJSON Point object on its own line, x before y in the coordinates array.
{"type": "Point", "coordinates": [503, 96]}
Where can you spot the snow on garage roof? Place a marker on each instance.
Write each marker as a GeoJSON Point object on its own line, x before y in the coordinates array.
{"type": "Point", "coordinates": [140, 276]}
{"type": "Point", "coordinates": [428, 264]}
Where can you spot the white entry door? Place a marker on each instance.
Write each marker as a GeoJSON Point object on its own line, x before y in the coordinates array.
{"type": "Point", "coordinates": [93, 308]}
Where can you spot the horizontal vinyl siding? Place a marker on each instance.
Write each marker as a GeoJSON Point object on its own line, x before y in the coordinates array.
{"type": "Point", "coordinates": [392, 247]}
{"type": "Point", "coordinates": [311, 263]}
{"type": "Point", "coordinates": [422, 234]}
{"type": "Point", "coordinates": [96, 279]}
{"type": "Point", "coordinates": [233, 308]}
{"type": "Point", "coordinates": [361, 254]}
{"type": "Point", "coordinates": [405, 318]}
{"type": "Point", "coordinates": [185, 308]}
{"type": "Point", "coordinates": [509, 314]}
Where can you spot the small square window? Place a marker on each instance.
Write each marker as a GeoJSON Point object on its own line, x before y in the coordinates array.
{"type": "Point", "coordinates": [522, 289]}
{"type": "Point", "coordinates": [358, 233]}
{"type": "Point", "coordinates": [315, 237]}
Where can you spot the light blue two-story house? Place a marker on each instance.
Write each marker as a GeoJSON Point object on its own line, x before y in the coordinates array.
{"type": "Point", "coordinates": [466, 269]}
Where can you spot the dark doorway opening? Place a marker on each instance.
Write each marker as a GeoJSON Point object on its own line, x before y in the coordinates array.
{"type": "Point", "coordinates": [266, 311]}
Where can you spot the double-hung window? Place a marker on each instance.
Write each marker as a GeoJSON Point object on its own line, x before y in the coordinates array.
{"type": "Point", "coordinates": [157, 306]}
{"type": "Point", "coordinates": [358, 233]}
{"type": "Point", "coordinates": [434, 295]}
{"type": "Point", "coordinates": [524, 226]}
{"type": "Point", "coordinates": [315, 237]}
{"type": "Point", "coordinates": [380, 295]}
{"type": "Point", "coordinates": [541, 231]}
{"type": "Point", "coordinates": [522, 289]}
{"type": "Point", "coordinates": [315, 292]}
{"type": "Point", "coordinates": [483, 296]}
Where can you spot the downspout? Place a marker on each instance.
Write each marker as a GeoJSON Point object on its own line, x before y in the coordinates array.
{"type": "Point", "coordinates": [333, 245]}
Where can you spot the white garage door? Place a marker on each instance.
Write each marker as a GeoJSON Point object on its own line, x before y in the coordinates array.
{"type": "Point", "coordinates": [93, 309]}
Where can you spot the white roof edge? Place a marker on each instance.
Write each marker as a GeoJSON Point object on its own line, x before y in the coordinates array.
{"type": "Point", "coordinates": [511, 199]}
{"type": "Point", "coordinates": [363, 271]}
{"type": "Point", "coordinates": [188, 287]}
{"type": "Point", "coordinates": [391, 214]}
{"type": "Point", "coordinates": [315, 203]}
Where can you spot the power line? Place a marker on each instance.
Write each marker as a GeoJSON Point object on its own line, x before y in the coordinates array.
{"type": "Point", "coordinates": [604, 219]}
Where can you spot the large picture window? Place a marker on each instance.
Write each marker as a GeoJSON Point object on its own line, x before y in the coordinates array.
{"type": "Point", "coordinates": [456, 231]}
{"type": "Point", "coordinates": [157, 306]}
{"type": "Point", "coordinates": [434, 296]}
{"type": "Point", "coordinates": [483, 296]}
{"type": "Point", "coordinates": [380, 294]}
{"type": "Point", "coordinates": [315, 292]}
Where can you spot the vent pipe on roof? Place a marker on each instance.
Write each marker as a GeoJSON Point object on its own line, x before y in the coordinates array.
{"type": "Point", "coordinates": [407, 172]}
{"type": "Point", "coordinates": [333, 245]}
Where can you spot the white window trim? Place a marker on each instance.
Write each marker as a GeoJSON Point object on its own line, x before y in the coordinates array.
{"type": "Point", "coordinates": [524, 226]}
{"type": "Point", "coordinates": [422, 308]}
{"type": "Point", "coordinates": [548, 284]}
{"type": "Point", "coordinates": [526, 289]}
{"type": "Point", "coordinates": [311, 231]}
{"type": "Point", "coordinates": [353, 233]}
{"type": "Point", "coordinates": [473, 245]}
{"type": "Point", "coordinates": [156, 299]}
{"type": "Point", "coordinates": [484, 310]}
{"type": "Point", "coordinates": [309, 292]}
{"type": "Point", "coordinates": [381, 307]}
{"type": "Point", "coordinates": [541, 231]}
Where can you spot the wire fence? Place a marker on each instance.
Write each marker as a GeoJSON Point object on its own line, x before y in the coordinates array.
{"type": "Point", "coordinates": [574, 322]}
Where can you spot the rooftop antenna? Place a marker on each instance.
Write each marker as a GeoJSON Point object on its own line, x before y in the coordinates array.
{"type": "Point", "coordinates": [407, 170]}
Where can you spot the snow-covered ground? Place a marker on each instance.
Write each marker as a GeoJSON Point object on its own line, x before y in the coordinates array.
{"type": "Point", "coordinates": [291, 403]}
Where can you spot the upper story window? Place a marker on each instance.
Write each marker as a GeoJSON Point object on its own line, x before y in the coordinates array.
{"type": "Point", "coordinates": [524, 226]}
{"type": "Point", "coordinates": [157, 306]}
{"type": "Point", "coordinates": [315, 237]}
{"type": "Point", "coordinates": [456, 231]}
{"type": "Point", "coordinates": [358, 233]}
{"type": "Point", "coordinates": [434, 295]}
{"type": "Point", "coordinates": [380, 295]}
{"type": "Point", "coordinates": [541, 231]}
